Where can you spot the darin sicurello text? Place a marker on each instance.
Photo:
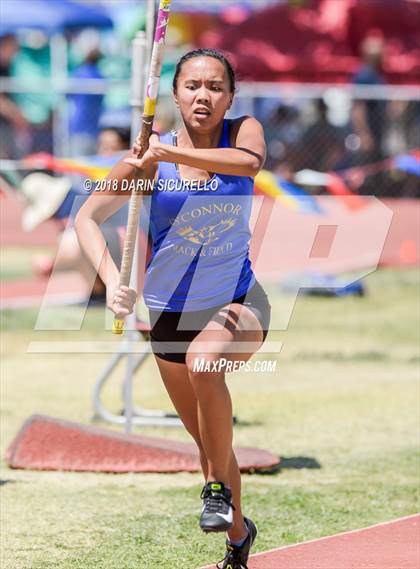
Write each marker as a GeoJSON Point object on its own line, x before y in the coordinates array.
{"type": "Point", "coordinates": [162, 185]}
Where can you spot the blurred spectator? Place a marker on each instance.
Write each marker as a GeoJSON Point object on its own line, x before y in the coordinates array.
{"type": "Point", "coordinates": [282, 131]}
{"type": "Point", "coordinates": [321, 145]}
{"type": "Point", "coordinates": [86, 109]}
{"type": "Point", "coordinates": [403, 127]}
{"type": "Point", "coordinates": [32, 66]}
{"type": "Point", "coordinates": [112, 140]}
{"type": "Point", "coordinates": [13, 125]}
{"type": "Point", "coordinates": [368, 116]}
{"type": "Point", "coordinates": [58, 199]}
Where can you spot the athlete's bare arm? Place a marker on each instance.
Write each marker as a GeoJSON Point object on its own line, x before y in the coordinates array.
{"type": "Point", "coordinates": [99, 207]}
{"type": "Point", "coordinates": [245, 158]}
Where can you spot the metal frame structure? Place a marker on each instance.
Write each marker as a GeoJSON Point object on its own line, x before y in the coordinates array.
{"type": "Point", "coordinates": [131, 415]}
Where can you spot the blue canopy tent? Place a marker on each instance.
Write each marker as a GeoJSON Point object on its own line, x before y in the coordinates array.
{"type": "Point", "coordinates": [53, 18]}
{"type": "Point", "coordinates": [219, 6]}
{"type": "Point", "coordinates": [50, 16]}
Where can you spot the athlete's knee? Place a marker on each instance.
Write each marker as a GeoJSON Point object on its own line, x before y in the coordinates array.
{"type": "Point", "coordinates": [201, 366]}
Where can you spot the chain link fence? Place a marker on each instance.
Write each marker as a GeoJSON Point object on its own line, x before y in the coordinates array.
{"type": "Point", "coordinates": [364, 133]}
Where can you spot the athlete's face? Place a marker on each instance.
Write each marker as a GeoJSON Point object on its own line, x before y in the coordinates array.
{"type": "Point", "coordinates": [203, 93]}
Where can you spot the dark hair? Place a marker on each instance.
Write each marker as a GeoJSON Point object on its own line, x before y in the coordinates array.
{"type": "Point", "coordinates": [122, 133]}
{"type": "Point", "coordinates": [206, 52]}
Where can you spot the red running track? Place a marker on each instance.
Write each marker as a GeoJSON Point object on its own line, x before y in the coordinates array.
{"type": "Point", "coordinates": [62, 288]}
{"type": "Point", "coordinates": [390, 545]}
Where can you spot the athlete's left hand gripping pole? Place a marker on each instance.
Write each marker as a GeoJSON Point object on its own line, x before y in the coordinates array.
{"type": "Point", "coordinates": [146, 131]}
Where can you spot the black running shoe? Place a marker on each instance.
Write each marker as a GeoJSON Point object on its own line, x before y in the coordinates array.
{"type": "Point", "coordinates": [237, 557]}
{"type": "Point", "coordinates": [217, 513]}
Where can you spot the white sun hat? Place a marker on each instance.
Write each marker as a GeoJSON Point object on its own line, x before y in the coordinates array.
{"type": "Point", "coordinates": [43, 195]}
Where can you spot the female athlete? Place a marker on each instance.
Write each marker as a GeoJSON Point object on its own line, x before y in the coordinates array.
{"type": "Point", "coordinates": [207, 310]}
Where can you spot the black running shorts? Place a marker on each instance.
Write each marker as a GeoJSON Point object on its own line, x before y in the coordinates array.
{"type": "Point", "coordinates": [164, 332]}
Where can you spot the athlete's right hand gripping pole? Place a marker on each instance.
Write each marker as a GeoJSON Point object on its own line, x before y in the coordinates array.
{"type": "Point", "coordinates": [146, 131]}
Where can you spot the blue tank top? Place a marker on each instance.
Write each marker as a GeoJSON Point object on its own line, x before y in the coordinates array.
{"type": "Point", "coordinates": [200, 238]}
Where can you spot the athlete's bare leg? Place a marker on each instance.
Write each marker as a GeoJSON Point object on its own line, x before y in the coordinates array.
{"type": "Point", "coordinates": [215, 419]}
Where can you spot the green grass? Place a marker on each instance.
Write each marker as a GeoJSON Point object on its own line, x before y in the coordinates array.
{"type": "Point", "coordinates": [344, 396]}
